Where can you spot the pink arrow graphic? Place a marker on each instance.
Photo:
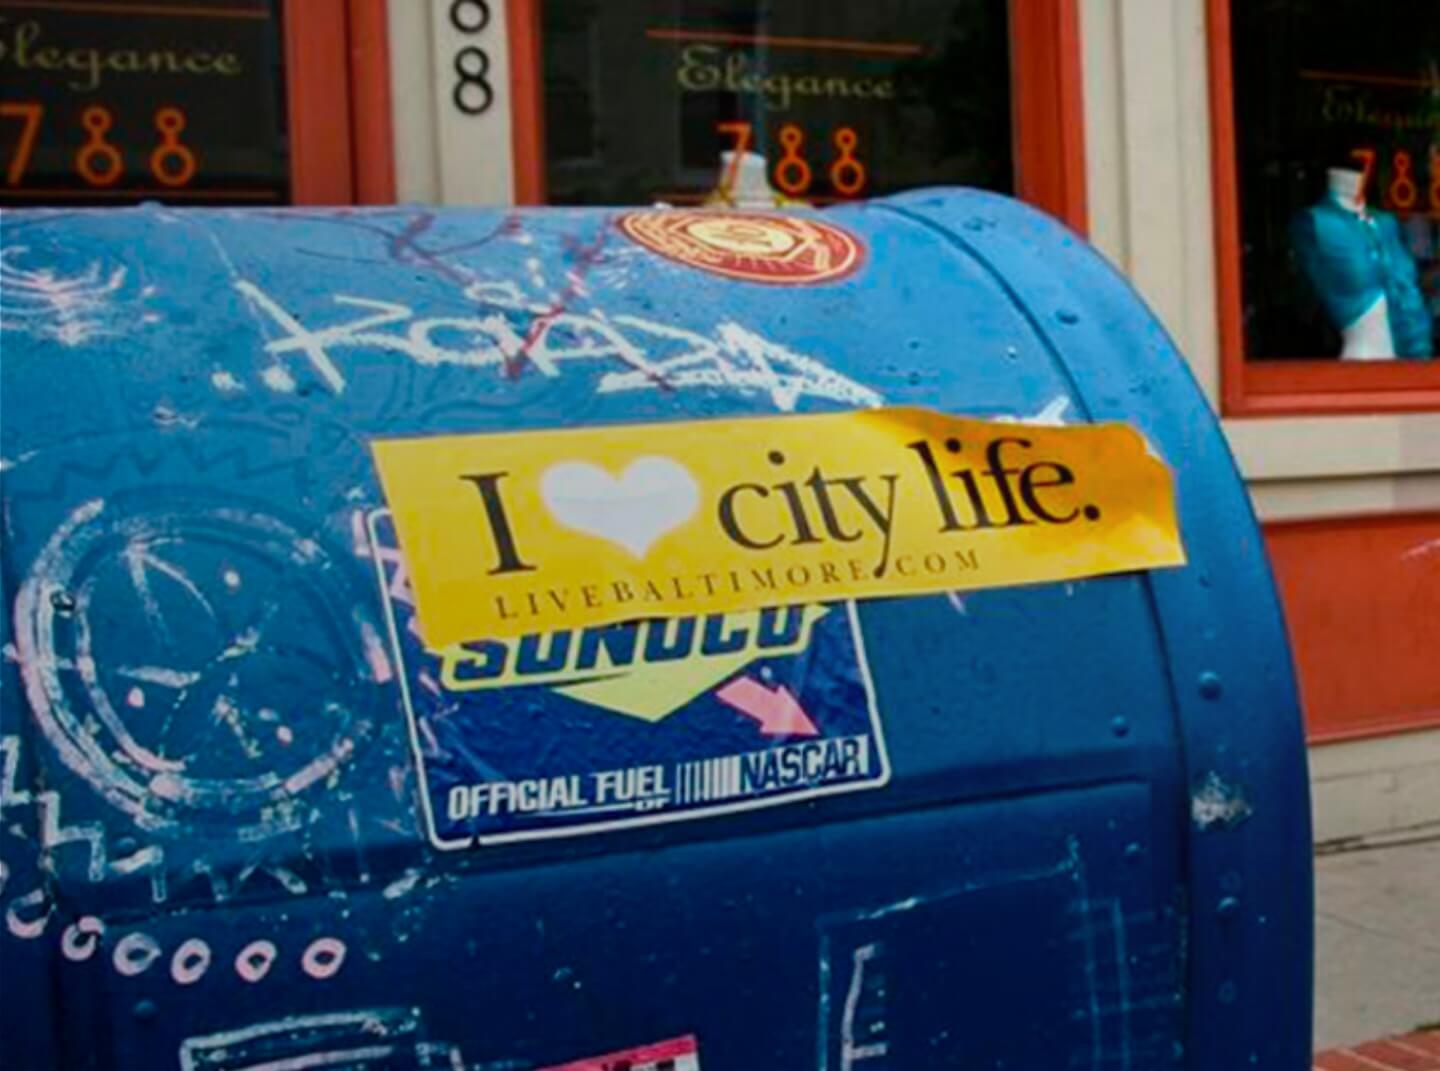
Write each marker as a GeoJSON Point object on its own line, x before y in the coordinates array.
{"type": "Point", "coordinates": [778, 712]}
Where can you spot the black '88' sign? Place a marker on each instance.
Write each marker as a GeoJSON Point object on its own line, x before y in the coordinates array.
{"type": "Point", "coordinates": [472, 93]}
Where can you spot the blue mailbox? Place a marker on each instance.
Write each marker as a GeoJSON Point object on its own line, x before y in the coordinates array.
{"type": "Point", "coordinates": [251, 821]}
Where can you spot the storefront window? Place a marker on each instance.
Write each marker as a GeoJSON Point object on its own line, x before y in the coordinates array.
{"type": "Point", "coordinates": [1337, 134]}
{"type": "Point", "coordinates": [832, 101]}
{"type": "Point", "coordinates": [115, 102]}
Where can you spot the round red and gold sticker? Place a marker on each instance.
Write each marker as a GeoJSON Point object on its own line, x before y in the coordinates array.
{"type": "Point", "coordinates": [755, 247]}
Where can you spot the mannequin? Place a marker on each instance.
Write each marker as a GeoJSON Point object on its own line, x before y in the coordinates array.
{"type": "Point", "coordinates": [1362, 271]}
{"type": "Point", "coordinates": [1368, 338]}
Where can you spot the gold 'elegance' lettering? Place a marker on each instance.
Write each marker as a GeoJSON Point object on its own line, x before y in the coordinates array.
{"type": "Point", "coordinates": [708, 69]}
{"type": "Point", "coordinates": [1345, 105]}
{"type": "Point", "coordinates": [22, 47]}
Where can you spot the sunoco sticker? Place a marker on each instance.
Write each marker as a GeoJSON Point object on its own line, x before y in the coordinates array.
{"type": "Point", "coordinates": [631, 723]}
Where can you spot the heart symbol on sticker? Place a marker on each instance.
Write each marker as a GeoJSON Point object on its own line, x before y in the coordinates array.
{"type": "Point", "coordinates": [653, 496]}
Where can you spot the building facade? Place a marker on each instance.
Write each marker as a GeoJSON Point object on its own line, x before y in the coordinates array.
{"type": "Point", "coordinates": [1266, 173]}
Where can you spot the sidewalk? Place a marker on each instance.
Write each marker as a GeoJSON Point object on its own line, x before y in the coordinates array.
{"type": "Point", "coordinates": [1377, 950]}
{"type": "Point", "coordinates": [1413, 1052]}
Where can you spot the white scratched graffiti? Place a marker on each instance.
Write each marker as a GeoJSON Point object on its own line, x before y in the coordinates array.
{"type": "Point", "coordinates": [1420, 550]}
{"type": "Point", "coordinates": [109, 718]}
{"type": "Point", "coordinates": [866, 991]}
{"type": "Point", "coordinates": [28, 916]}
{"type": "Point", "coordinates": [373, 1037]}
{"type": "Point", "coordinates": [174, 771]}
{"type": "Point", "coordinates": [81, 938]}
{"type": "Point", "coordinates": [649, 355]}
{"type": "Point", "coordinates": [54, 834]}
{"type": "Point", "coordinates": [323, 958]}
{"type": "Point", "coordinates": [190, 962]}
{"type": "Point", "coordinates": [130, 621]}
{"type": "Point", "coordinates": [68, 308]}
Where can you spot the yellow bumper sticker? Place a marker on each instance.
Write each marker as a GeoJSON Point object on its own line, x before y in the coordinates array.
{"type": "Point", "coordinates": [525, 532]}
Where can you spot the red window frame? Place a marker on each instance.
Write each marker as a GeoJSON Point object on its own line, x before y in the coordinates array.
{"type": "Point", "coordinates": [337, 70]}
{"type": "Point", "coordinates": [337, 80]}
{"type": "Point", "coordinates": [1046, 102]}
{"type": "Point", "coordinates": [1257, 388]}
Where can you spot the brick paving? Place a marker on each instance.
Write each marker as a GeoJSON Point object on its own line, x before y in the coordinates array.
{"type": "Point", "coordinates": [1413, 1052]}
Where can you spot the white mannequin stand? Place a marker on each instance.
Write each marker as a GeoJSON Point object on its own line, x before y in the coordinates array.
{"type": "Point", "coordinates": [752, 187]}
{"type": "Point", "coordinates": [1368, 337]}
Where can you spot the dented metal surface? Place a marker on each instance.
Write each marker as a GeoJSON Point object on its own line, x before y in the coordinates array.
{"type": "Point", "coordinates": [212, 853]}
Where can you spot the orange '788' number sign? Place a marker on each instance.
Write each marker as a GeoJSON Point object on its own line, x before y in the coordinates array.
{"type": "Point", "coordinates": [1402, 192]}
{"type": "Point", "coordinates": [99, 161]}
{"type": "Point", "coordinates": [792, 173]}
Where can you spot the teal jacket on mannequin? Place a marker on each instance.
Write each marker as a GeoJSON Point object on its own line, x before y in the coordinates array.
{"type": "Point", "coordinates": [1352, 260]}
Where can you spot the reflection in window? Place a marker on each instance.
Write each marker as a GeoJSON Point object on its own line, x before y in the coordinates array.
{"type": "Point", "coordinates": [116, 102]}
{"type": "Point", "coordinates": [1337, 110]}
{"type": "Point", "coordinates": [824, 102]}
